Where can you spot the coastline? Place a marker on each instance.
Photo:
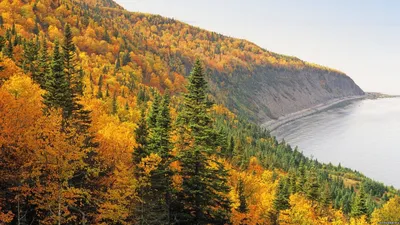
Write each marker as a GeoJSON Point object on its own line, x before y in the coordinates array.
{"type": "Point", "coordinates": [274, 124]}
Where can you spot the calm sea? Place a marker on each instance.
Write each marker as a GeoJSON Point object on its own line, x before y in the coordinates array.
{"type": "Point", "coordinates": [363, 135]}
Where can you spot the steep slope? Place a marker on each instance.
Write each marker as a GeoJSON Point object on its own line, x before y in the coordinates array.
{"type": "Point", "coordinates": [248, 79]}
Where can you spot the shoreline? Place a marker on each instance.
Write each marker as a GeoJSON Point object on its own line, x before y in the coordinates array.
{"type": "Point", "coordinates": [274, 124]}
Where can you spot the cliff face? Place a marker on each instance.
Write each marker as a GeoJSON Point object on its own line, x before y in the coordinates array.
{"type": "Point", "coordinates": [280, 93]}
{"type": "Point", "coordinates": [269, 93]}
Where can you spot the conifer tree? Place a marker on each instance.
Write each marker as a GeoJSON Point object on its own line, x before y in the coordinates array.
{"type": "Point", "coordinates": [141, 134]}
{"type": "Point", "coordinates": [100, 85]}
{"type": "Point", "coordinates": [114, 104]}
{"type": "Point", "coordinates": [30, 57]}
{"type": "Point", "coordinates": [281, 201]}
{"type": "Point", "coordinates": [43, 65]}
{"type": "Point", "coordinates": [359, 206]}
{"type": "Point", "coordinates": [153, 113]}
{"type": "Point", "coordinates": [325, 195]}
{"type": "Point", "coordinates": [242, 198]}
{"type": "Point", "coordinates": [140, 152]}
{"type": "Point", "coordinates": [312, 186]}
{"type": "Point", "coordinates": [58, 93]}
{"type": "Point", "coordinates": [9, 49]}
{"type": "Point", "coordinates": [161, 178]}
{"type": "Point", "coordinates": [204, 187]}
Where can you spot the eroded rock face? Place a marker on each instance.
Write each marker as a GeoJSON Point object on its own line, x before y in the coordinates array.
{"type": "Point", "coordinates": [272, 93]}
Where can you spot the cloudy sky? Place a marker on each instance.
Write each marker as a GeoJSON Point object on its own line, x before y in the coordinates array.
{"type": "Point", "coordinates": [358, 37]}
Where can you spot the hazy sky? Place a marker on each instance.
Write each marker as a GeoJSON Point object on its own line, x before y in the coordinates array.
{"type": "Point", "coordinates": [358, 37]}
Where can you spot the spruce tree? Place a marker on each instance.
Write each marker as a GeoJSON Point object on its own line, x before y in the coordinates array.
{"type": "Point", "coordinates": [100, 85]}
{"type": "Point", "coordinates": [114, 104]}
{"type": "Point", "coordinates": [141, 134]}
{"type": "Point", "coordinates": [9, 49]}
{"type": "Point", "coordinates": [140, 152]}
{"type": "Point", "coordinates": [43, 65]}
{"type": "Point", "coordinates": [30, 57]}
{"type": "Point", "coordinates": [58, 93]}
{"type": "Point", "coordinates": [153, 113]}
{"type": "Point", "coordinates": [242, 198]}
{"type": "Point", "coordinates": [312, 186]}
{"type": "Point", "coordinates": [204, 187]}
{"type": "Point", "coordinates": [359, 206]}
{"type": "Point", "coordinates": [326, 195]}
{"type": "Point", "coordinates": [161, 178]}
{"type": "Point", "coordinates": [281, 201]}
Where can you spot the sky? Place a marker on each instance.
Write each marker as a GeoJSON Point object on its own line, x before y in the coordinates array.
{"type": "Point", "coordinates": [358, 37]}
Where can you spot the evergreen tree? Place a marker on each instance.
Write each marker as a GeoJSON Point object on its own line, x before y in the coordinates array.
{"type": "Point", "coordinates": [114, 109]}
{"type": "Point", "coordinates": [141, 134]}
{"type": "Point", "coordinates": [281, 201]}
{"type": "Point", "coordinates": [43, 65]}
{"type": "Point", "coordinates": [100, 85]}
{"type": "Point", "coordinates": [292, 182]}
{"type": "Point", "coordinates": [69, 54]}
{"type": "Point", "coordinates": [2, 43]}
{"type": "Point", "coordinates": [58, 93]}
{"type": "Point", "coordinates": [153, 113]}
{"type": "Point", "coordinates": [30, 58]}
{"type": "Point", "coordinates": [106, 36]}
{"type": "Point", "coordinates": [9, 49]}
{"type": "Point", "coordinates": [242, 198]}
{"type": "Point", "coordinates": [231, 147]}
{"type": "Point", "coordinates": [117, 64]}
{"type": "Point", "coordinates": [325, 195]}
{"type": "Point", "coordinates": [161, 178]}
{"type": "Point", "coordinates": [242, 201]}
{"type": "Point", "coordinates": [140, 152]}
{"type": "Point", "coordinates": [107, 91]}
{"type": "Point", "coordinates": [204, 188]}
{"type": "Point", "coordinates": [301, 179]}
{"type": "Point", "coordinates": [312, 186]}
{"type": "Point", "coordinates": [359, 206]}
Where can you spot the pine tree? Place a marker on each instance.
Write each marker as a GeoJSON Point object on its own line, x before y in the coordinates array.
{"type": "Point", "coordinates": [359, 206]}
{"type": "Point", "coordinates": [43, 65]}
{"type": "Point", "coordinates": [100, 85]}
{"type": "Point", "coordinates": [58, 93]}
{"type": "Point", "coordinates": [69, 54]}
{"type": "Point", "coordinates": [107, 91]}
{"type": "Point", "coordinates": [326, 195]}
{"type": "Point", "coordinates": [9, 49]}
{"type": "Point", "coordinates": [243, 208]}
{"type": "Point", "coordinates": [30, 58]}
{"type": "Point", "coordinates": [141, 134]}
{"type": "Point", "coordinates": [242, 198]}
{"type": "Point", "coordinates": [301, 179]}
{"type": "Point", "coordinates": [114, 109]}
{"type": "Point", "coordinates": [140, 152]}
{"type": "Point", "coordinates": [161, 178]}
{"type": "Point", "coordinates": [281, 201]}
{"type": "Point", "coordinates": [312, 186]}
{"type": "Point", "coordinates": [152, 117]}
{"type": "Point", "coordinates": [204, 188]}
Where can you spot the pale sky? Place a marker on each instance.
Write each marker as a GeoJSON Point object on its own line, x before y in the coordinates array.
{"type": "Point", "coordinates": [358, 37]}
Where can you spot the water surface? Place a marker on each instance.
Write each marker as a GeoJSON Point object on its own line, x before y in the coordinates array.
{"type": "Point", "coordinates": [363, 135]}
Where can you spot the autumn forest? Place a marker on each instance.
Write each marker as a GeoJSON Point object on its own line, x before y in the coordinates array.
{"type": "Point", "coordinates": [112, 117]}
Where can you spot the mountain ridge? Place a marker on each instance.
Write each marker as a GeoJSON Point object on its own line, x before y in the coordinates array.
{"type": "Point", "coordinates": [250, 80]}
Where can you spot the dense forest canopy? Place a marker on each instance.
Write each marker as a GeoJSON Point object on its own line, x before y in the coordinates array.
{"type": "Point", "coordinates": [111, 117]}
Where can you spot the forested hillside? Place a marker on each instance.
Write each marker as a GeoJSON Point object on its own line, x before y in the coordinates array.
{"type": "Point", "coordinates": [159, 52]}
{"type": "Point", "coordinates": [101, 123]}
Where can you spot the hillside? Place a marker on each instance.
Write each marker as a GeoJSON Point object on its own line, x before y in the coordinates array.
{"type": "Point", "coordinates": [247, 79]}
{"type": "Point", "coordinates": [106, 119]}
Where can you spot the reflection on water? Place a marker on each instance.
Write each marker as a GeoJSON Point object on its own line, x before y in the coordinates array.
{"type": "Point", "coordinates": [362, 135]}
